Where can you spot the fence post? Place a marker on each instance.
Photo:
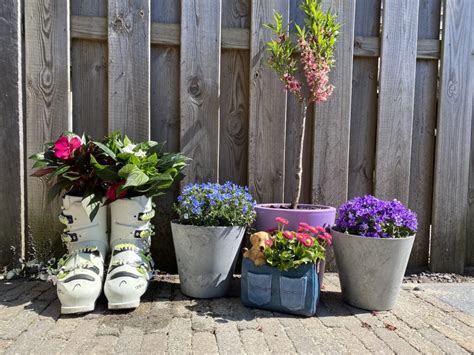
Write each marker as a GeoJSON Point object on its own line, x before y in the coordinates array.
{"type": "Point", "coordinates": [12, 216]}
{"type": "Point", "coordinates": [200, 87]}
{"type": "Point", "coordinates": [453, 140]}
{"type": "Point", "coordinates": [396, 99]}
{"type": "Point", "coordinates": [129, 67]}
{"type": "Point", "coordinates": [48, 108]}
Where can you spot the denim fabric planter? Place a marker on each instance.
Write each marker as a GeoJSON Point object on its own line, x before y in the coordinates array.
{"type": "Point", "coordinates": [295, 291]}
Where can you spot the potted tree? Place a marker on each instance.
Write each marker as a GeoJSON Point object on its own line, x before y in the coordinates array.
{"type": "Point", "coordinates": [303, 62]}
{"type": "Point", "coordinates": [286, 280]}
{"type": "Point", "coordinates": [208, 234]}
{"type": "Point", "coordinates": [66, 162]}
{"type": "Point", "coordinates": [372, 244]}
{"type": "Point", "coordinates": [133, 175]}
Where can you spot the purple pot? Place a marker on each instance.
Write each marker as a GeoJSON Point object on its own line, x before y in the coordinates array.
{"type": "Point", "coordinates": [314, 215]}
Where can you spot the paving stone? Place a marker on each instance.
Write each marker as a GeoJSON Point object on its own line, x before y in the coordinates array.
{"type": "Point", "coordinates": [103, 344]}
{"type": "Point", "coordinates": [155, 343]}
{"type": "Point", "coordinates": [394, 341]}
{"type": "Point", "coordinates": [105, 330]}
{"type": "Point", "coordinates": [373, 343]}
{"type": "Point", "coordinates": [20, 290]}
{"type": "Point", "coordinates": [63, 328]}
{"type": "Point", "coordinates": [202, 322]}
{"type": "Point", "coordinates": [160, 317]}
{"type": "Point", "coordinates": [129, 341]}
{"type": "Point", "coordinates": [275, 335]}
{"type": "Point", "coordinates": [254, 342]}
{"type": "Point", "coordinates": [180, 336]}
{"type": "Point", "coordinates": [29, 340]}
{"type": "Point", "coordinates": [464, 317]}
{"type": "Point", "coordinates": [441, 341]}
{"type": "Point", "coordinates": [228, 339]}
{"type": "Point", "coordinates": [204, 343]}
{"type": "Point", "coordinates": [322, 336]}
{"type": "Point", "coordinates": [4, 344]}
{"type": "Point", "coordinates": [301, 339]}
{"type": "Point", "coordinates": [83, 334]}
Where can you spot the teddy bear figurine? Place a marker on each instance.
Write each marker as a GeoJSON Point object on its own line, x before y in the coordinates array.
{"type": "Point", "coordinates": [255, 253]}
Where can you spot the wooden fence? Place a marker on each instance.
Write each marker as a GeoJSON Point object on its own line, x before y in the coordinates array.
{"type": "Point", "coordinates": [193, 73]}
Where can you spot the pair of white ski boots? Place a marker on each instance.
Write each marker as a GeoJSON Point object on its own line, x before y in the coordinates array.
{"type": "Point", "coordinates": [81, 273]}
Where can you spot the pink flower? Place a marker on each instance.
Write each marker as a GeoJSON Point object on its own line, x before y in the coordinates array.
{"type": "Point", "coordinates": [111, 193]}
{"type": "Point", "coordinates": [303, 227]}
{"type": "Point", "coordinates": [288, 235]}
{"type": "Point", "coordinates": [282, 220]}
{"type": "Point", "coordinates": [312, 229]}
{"type": "Point", "coordinates": [320, 229]}
{"type": "Point", "coordinates": [327, 237]}
{"type": "Point", "coordinates": [268, 243]}
{"type": "Point", "coordinates": [65, 147]}
{"type": "Point", "coordinates": [308, 242]}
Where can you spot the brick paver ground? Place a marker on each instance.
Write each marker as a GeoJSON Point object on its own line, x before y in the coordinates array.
{"type": "Point", "coordinates": [168, 322]}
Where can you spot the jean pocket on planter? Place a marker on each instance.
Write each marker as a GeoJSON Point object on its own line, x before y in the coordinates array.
{"type": "Point", "coordinates": [259, 288]}
{"type": "Point", "coordinates": [293, 292]}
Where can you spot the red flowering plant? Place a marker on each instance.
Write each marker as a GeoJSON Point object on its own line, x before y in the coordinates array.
{"type": "Point", "coordinates": [65, 163]}
{"type": "Point", "coordinates": [303, 62]}
{"type": "Point", "coordinates": [290, 249]}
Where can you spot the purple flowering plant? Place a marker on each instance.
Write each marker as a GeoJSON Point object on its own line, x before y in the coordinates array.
{"type": "Point", "coordinates": [213, 204]}
{"type": "Point", "coordinates": [371, 217]}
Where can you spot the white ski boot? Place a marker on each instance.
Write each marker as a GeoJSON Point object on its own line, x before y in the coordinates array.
{"type": "Point", "coordinates": [131, 265]}
{"type": "Point", "coordinates": [81, 271]}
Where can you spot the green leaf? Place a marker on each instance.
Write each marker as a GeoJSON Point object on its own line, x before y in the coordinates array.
{"type": "Point", "coordinates": [42, 172]}
{"type": "Point", "coordinates": [126, 170]}
{"type": "Point", "coordinates": [91, 204]}
{"type": "Point", "coordinates": [106, 150]}
{"type": "Point", "coordinates": [40, 164]}
{"type": "Point", "coordinates": [105, 172]}
{"type": "Point", "coordinates": [59, 171]}
{"type": "Point", "coordinates": [136, 177]}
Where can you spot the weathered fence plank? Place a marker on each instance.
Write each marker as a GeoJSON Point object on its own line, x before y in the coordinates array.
{"type": "Point", "coordinates": [89, 76]}
{"type": "Point", "coordinates": [267, 113]}
{"type": "Point", "coordinates": [364, 104]}
{"type": "Point", "coordinates": [165, 125]}
{"type": "Point", "coordinates": [332, 118]}
{"type": "Point", "coordinates": [129, 67]}
{"type": "Point", "coordinates": [48, 107]}
{"type": "Point", "coordinates": [470, 216]}
{"type": "Point", "coordinates": [396, 99]}
{"type": "Point", "coordinates": [423, 138]}
{"type": "Point", "coordinates": [448, 240]}
{"type": "Point", "coordinates": [12, 194]}
{"type": "Point", "coordinates": [200, 87]}
{"type": "Point", "coordinates": [234, 114]}
{"type": "Point", "coordinates": [292, 125]}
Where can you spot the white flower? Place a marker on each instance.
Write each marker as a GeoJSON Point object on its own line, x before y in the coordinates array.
{"type": "Point", "coordinates": [129, 148]}
{"type": "Point", "coordinates": [140, 153]}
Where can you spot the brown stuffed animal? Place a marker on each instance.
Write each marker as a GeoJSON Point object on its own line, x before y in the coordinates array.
{"type": "Point", "coordinates": [258, 246]}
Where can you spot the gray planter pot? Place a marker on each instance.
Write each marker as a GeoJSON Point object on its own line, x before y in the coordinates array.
{"type": "Point", "coordinates": [371, 269]}
{"type": "Point", "coordinates": [206, 258]}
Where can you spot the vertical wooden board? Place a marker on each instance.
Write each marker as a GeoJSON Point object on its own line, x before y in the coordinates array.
{"type": "Point", "coordinates": [332, 118]}
{"type": "Point", "coordinates": [396, 99]}
{"type": "Point", "coordinates": [129, 67]}
{"type": "Point", "coordinates": [451, 176]}
{"type": "Point", "coordinates": [267, 110]}
{"type": "Point", "coordinates": [165, 126]}
{"type": "Point", "coordinates": [470, 216]}
{"type": "Point", "coordinates": [364, 104]}
{"type": "Point", "coordinates": [89, 75]}
{"type": "Point", "coordinates": [292, 124]}
{"type": "Point", "coordinates": [200, 87]}
{"type": "Point", "coordinates": [423, 138]}
{"type": "Point", "coordinates": [234, 102]}
{"type": "Point", "coordinates": [12, 218]}
{"type": "Point", "coordinates": [48, 109]}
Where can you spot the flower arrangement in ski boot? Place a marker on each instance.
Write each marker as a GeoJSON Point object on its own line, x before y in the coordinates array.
{"type": "Point", "coordinates": [139, 172]}
{"type": "Point", "coordinates": [65, 164]}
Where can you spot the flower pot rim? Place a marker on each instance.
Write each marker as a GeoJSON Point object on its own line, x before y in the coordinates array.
{"type": "Point", "coordinates": [176, 222]}
{"type": "Point", "coordinates": [268, 206]}
{"type": "Point", "coordinates": [369, 238]}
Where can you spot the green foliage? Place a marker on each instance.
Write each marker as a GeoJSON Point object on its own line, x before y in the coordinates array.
{"type": "Point", "coordinates": [216, 205]}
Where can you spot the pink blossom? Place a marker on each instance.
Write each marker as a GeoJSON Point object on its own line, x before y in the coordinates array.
{"type": "Point", "coordinates": [281, 220]}
{"type": "Point", "coordinates": [327, 237]}
{"type": "Point", "coordinates": [268, 243]}
{"type": "Point", "coordinates": [65, 147]}
{"type": "Point", "coordinates": [308, 242]}
{"type": "Point", "coordinates": [288, 235]}
{"type": "Point", "coordinates": [303, 227]}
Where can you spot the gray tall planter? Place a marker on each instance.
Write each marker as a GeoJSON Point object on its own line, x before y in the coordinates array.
{"type": "Point", "coordinates": [371, 269]}
{"type": "Point", "coordinates": [206, 258]}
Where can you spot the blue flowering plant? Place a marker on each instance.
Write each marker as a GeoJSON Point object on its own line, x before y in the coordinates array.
{"type": "Point", "coordinates": [371, 217]}
{"type": "Point", "coordinates": [212, 204]}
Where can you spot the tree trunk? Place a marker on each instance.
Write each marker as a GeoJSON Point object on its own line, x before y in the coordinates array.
{"type": "Point", "coordinates": [299, 153]}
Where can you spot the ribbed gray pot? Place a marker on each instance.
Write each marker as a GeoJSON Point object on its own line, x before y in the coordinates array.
{"type": "Point", "coordinates": [371, 269]}
{"type": "Point", "coordinates": [206, 258]}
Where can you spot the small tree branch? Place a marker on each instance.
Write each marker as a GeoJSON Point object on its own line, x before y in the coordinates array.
{"type": "Point", "coordinates": [299, 153]}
